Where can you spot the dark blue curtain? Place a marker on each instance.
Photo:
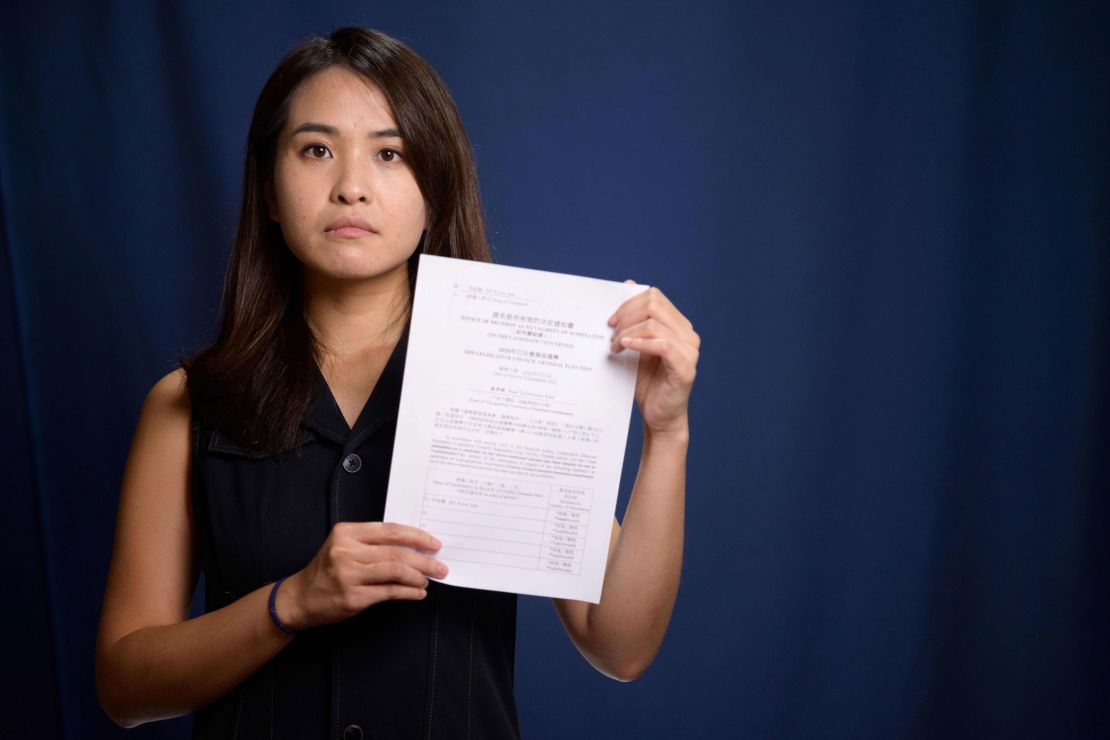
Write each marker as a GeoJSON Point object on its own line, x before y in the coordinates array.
{"type": "Point", "coordinates": [887, 220]}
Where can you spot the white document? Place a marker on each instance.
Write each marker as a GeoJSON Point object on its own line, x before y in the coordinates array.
{"type": "Point", "coordinates": [512, 427]}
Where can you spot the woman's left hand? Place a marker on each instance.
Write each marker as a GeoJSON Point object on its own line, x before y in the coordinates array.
{"type": "Point", "coordinates": [668, 347]}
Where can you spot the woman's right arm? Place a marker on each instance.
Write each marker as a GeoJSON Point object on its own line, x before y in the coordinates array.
{"type": "Point", "coordinates": [152, 662]}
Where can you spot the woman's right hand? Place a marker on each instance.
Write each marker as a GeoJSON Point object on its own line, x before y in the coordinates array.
{"type": "Point", "coordinates": [359, 564]}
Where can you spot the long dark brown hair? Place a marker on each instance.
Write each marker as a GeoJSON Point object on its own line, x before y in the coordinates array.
{"type": "Point", "coordinates": [258, 378]}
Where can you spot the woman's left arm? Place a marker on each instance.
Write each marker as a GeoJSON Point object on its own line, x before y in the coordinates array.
{"type": "Point", "coordinates": [621, 635]}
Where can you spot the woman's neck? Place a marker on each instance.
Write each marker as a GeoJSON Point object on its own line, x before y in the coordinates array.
{"type": "Point", "coordinates": [351, 318]}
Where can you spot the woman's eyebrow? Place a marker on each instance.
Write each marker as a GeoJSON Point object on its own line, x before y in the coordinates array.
{"type": "Point", "coordinates": [323, 128]}
{"type": "Point", "coordinates": [319, 128]}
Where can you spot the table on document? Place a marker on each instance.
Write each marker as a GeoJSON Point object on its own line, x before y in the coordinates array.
{"type": "Point", "coordinates": [534, 525]}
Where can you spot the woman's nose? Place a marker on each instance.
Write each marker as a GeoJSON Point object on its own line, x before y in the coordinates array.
{"type": "Point", "coordinates": [352, 184]}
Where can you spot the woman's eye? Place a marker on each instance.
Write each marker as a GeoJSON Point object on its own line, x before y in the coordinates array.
{"type": "Point", "coordinates": [313, 149]}
{"type": "Point", "coordinates": [390, 155]}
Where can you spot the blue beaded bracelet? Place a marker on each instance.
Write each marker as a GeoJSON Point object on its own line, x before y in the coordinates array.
{"type": "Point", "coordinates": [273, 610]}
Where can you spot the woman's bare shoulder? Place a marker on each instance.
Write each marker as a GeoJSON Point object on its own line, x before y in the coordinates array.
{"type": "Point", "coordinates": [170, 393]}
{"type": "Point", "coordinates": [167, 411]}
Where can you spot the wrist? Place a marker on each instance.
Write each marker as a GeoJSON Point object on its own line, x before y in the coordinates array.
{"type": "Point", "coordinates": [287, 604]}
{"type": "Point", "coordinates": [676, 434]}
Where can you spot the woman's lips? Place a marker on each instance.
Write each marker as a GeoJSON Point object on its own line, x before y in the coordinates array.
{"type": "Point", "coordinates": [349, 232]}
{"type": "Point", "coordinates": [349, 227]}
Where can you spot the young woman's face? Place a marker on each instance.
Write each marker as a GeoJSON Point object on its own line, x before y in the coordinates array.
{"type": "Point", "coordinates": [340, 158]}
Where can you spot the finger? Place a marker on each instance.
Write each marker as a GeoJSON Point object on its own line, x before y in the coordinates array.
{"type": "Point", "coordinates": [384, 553]}
{"type": "Point", "coordinates": [647, 329]}
{"type": "Point", "coordinates": [391, 533]}
{"type": "Point", "coordinates": [391, 572]}
{"type": "Point", "coordinates": [395, 592]}
{"type": "Point", "coordinates": [678, 359]}
{"type": "Point", "coordinates": [652, 303]}
{"type": "Point", "coordinates": [655, 304]}
{"type": "Point", "coordinates": [612, 320]}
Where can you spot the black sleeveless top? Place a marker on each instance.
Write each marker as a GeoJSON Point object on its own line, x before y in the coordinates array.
{"type": "Point", "coordinates": [437, 668]}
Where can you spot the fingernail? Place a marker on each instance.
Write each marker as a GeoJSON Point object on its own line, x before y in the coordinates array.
{"type": "Point", "coordinates": [442, 570]}
{"type": "Point", "coordinates": [436, 543]}
{"type": "Point", "coordinates": [612, 320]}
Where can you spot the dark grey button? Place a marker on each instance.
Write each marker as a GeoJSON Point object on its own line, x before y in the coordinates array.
{"type": "Point", "coordinates": [352, 464]}
{"type": "Point", "coordinates": [352, 732]}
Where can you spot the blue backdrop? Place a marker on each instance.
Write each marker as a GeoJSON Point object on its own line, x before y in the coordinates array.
{"type": "Point", "coordinates": [887, 221]}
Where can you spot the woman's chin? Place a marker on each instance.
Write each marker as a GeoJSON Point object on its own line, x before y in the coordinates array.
{"type": "Point", "coordinates": [362, 271]}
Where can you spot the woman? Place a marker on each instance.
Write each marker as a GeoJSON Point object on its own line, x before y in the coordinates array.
{"type": "Point", "coordinates": [264, 459]}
